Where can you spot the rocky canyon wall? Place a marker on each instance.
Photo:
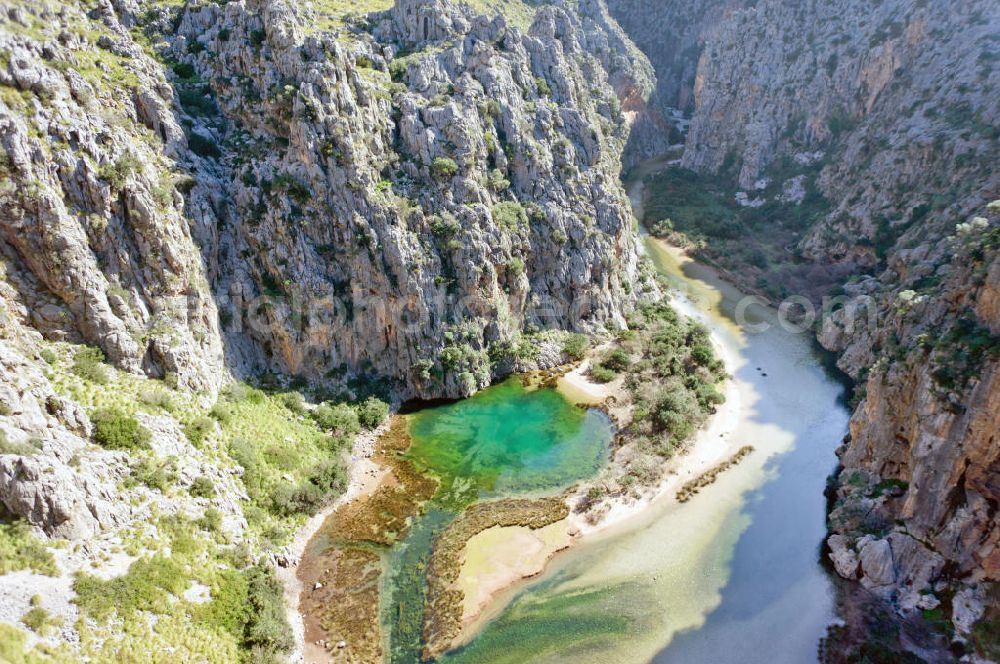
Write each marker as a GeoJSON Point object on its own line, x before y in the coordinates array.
{"type": "Point", "coordinates": [889, 112]}
{"type": "Point", "coordinates": [894, 106]}
{"type": "Point", "coordinates": [393, 198]}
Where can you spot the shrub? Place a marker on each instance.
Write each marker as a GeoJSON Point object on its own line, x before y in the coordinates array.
{"type": "Point", "coordinates": [159, 399]}
{"type": "Point", "coordinates": [117, 430]}
{"type": "Point", "coordinates": [445, 225]}
{"type": "Point", "coordinates": [146, 586]}
{"type": "Point", "coordinates": [329, 477]}
{"type": "Point", "coordinates": [242, 392]}
{"type": "Point", "coordinates": [88, 364]}
{"type": "Point", "coordinates": [497, 181]}
{"type": "Point", "coordinates": [228, 608]}
{"type": "Point", "coordinates": [602, 374]}
{"type": "Point", "coordinates": [20, 549]}
{"type": "Point", "coordinates": [184, 69]}
{"type": "Point", "coordinates": [443, 167]}
{"type": "Point", "coordinates": [617, 360]}
{"type": "Point", "coordinates": [244, 454]}
{"type": "Point", "coordinates": [294, 402]}
{"type": "Point", "coordinates": [198, 430]}
{"type": "Point", "coordinates": [5, 408]}
{"type": "Point", "coordinates": [155, 474]}
{"type": "Point", "coordinates": [203, 147]}
{"type": "Point", "coordinates": [676, 412]}
{"type": "Point", "coordinates": [118, 173]}
{"type": "Point", "coordinates": [515, 266]}
{"type": "Point", "coordinates": [372, 412]}
{"type": "Point", "coordinates": [510, 215]}
{"type": "Point", "coordinates": [221, 411]}
{"type": "Point", "coordinates": [575, 346]}
{"type": "Point", "coordinates": [211, 520]}
{"type": "Point", "coordinates": [337, 418]}
{"type": "Point", "coordinates": [197, 100]}
{"type": "Point", "coordinates": [36, 619]}
{"type": "Point", "coordinates": [267, 633]}
{"type": "Point", "coordinates": [543, 86]}
{"type": "Point", "coordinates": [702, 355]}
{"type": "Point", "coordinates": [202, 487]}
{"type": "Point", "coordinates": [48, 356]}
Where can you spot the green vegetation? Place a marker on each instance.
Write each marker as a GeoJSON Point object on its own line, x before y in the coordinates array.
{"type": "Point", "coordinates": [39, 621]}
{"type": "Point", "coordinates": [268, 439]}
{"type": "Point", "coordinates": [337, 418]}
{"type": "Point", "coordinates": [118, 173]}
{"type": "Point", "coordinates": [203, 147]}
{"type": "Point", "coordinates": [510, 215]}
{"type": "Point", "coordinates": [575, 346]}
{"type": "Point", "coordinates": [20, 549]}
{"type": "Point", "coordinates": [372, 412]}
{"type": "Point", "coordinates": [962, 350]}
{"type": "Point", "coordinates": [117, 430]}
{"type": "Point", "coordinates": [443, 168]}
{"type": "Point", "coordinates": [243, 622]}
{"type": "Point", "coordinates": [202, 487]}
{"type": "Point", "coordinates": [199, 429]}
{"type": "Point", "coordinates": [672, 373]}
{"type": "Point", "coordinates": [985, 636]}
{"type": "Point", "coordinates": [750, 242]}
{"type": "Point", "coordinates": [88, 363]}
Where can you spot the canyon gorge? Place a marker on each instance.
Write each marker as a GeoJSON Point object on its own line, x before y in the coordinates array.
{"type": "Point", "coordinates": [248, 248]}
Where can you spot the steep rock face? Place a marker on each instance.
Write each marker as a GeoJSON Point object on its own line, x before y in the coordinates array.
{"type": "Point", "coordinates": [93, 232]}
{"type": "Point", "coordinates": [922, 467]}
{"type": "Point", "coordinates": [895, 95]}
{"type": "Point", "coordinates": [887, 112]}
{"type": "Point", "coordinates": [671, 35]}
{"type": "Point", "coordinates": [407, 195]}
{"type": "Point", "coordinates": [400, 198]}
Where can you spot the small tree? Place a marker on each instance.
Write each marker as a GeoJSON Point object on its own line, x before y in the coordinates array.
{"type": "Point", "coordinates": [88, 363]}
{"type": "Point", "coordinates": [117, 430]}
{"type": "Point", "coordinates": [372, 412]}
{"type": "Point", "coordinates": [443, 167]}
{"type": "Point", "coordinates": [575, 345]}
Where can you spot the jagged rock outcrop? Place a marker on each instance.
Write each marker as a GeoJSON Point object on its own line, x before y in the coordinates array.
{"type": "Point", "coordinates": [671, 34]}
{"type": "Point", "coordinates": [93, 233]}
{"type": "Point", "coordinates": [894, 95]}
{"type": "Point", "coordinates": [921, 470]}
{"type": "Point", "coordinates": [427, 184]}
{"type": "Point", "coordinates": [883, 115]}
{"type": "Point", "coordinates": [236, 191]}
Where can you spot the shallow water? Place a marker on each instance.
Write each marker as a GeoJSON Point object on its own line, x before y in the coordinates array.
{"type": "Point", "coordinates": [734, 574]}
{"type": "Point", "coordinates": [506, 440]}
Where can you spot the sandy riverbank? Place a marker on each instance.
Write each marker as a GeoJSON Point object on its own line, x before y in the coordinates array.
{"type": "Point", "coordinates": [365, 477]}
{"type": "Point", "coordinates": [494, 576]}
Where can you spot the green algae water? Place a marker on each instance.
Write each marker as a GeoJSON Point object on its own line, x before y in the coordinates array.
{"type": "Point", "coordinates": [506, 440]}
{"type": "Point", "coordinates": [733, 575]}
{"type": "Point", "coordinates": [509, 440]}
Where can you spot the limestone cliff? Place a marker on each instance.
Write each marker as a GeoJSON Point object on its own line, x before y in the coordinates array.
{"type": "Point", "coordinates": [894, 97]}
{"type": "Point", "coordinates": [424, 195]}
{"type": "Point", "coordinates": [412, 192]}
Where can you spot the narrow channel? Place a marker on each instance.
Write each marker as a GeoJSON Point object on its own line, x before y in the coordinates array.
{"type": "Point", "coordinates": [734, 575]}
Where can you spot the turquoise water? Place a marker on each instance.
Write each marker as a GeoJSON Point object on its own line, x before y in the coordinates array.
{"type": "Point", "coordinates": [505, 440]}
{"type": "Point", "coordinates": [509, 440]}
{"type": "Point", "coordinates": [734, 575]}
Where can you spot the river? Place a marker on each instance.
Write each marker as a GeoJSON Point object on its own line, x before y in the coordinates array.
{"type": "Point", "coordinates": [734, 575]}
